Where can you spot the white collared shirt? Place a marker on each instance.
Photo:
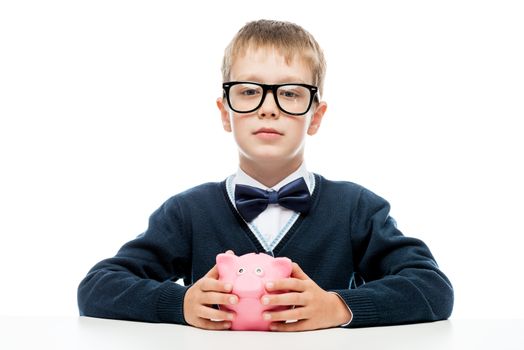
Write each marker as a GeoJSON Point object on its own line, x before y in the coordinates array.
{"type": "Point", "coordinates": [273, 223]}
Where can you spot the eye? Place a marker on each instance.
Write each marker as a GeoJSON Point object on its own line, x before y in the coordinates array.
{"type": "Point", "coordinates": [289, 94]}
{"type": "Point", "coordinates": [241, 271]}
{"type": "Point", "coordinates": [249, 92]}
{"type": "Point", "coordinates": [259, 271]}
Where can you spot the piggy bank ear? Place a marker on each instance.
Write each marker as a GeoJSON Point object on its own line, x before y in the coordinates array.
{"type": "Point", "coordinates": [283, 265]}
{"type": "Point", "coordinates": [225, 263]}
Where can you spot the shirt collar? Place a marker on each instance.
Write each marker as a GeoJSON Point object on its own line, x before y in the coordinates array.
{"type": "Point", "coordinates": [244, 179]}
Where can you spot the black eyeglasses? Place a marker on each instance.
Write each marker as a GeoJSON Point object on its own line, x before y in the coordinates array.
{"type": "Point", "coordinates": [246, 96]}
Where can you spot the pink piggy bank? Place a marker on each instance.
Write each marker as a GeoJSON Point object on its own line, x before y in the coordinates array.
{"type": "Point", "coordinates": [248, 274]}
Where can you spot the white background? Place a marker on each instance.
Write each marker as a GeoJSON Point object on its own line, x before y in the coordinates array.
{"type": "Point", "coordinates": [107, 108]}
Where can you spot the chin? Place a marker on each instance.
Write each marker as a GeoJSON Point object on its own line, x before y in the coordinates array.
{"type": "Point", "coordinates": [268, 158]}
{"type": "Point", "coordinates": [272, 157]}
{"type": "Point", "coordinates": [270, 153]}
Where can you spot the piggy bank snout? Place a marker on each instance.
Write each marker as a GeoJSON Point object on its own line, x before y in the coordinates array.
{"type": "Point", "coordinates": [249, 286]}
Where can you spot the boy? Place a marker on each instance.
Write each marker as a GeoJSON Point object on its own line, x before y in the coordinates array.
{"type": "Point", "coordinates": [352, 267]}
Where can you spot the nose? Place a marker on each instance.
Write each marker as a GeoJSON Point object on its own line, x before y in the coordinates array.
{"type": "Point", "coordinates": [269, 107]}
{"type": "Point", "coordinates": [248, 286]}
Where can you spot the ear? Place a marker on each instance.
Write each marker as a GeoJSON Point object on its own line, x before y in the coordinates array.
{"type": "Point", "coordinates": [224, 114]}
{"type": "Point", "coordinates": [316, 119]}
{"type": "Point", "coordinates": [282, 265]}
{"type": "Point", "coordinates": [225, 263]}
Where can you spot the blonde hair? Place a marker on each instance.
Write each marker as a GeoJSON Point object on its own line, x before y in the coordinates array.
{"type": "Point", "coordinates": [289, 39]}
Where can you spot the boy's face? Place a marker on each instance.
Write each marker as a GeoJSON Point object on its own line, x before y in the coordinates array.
{"type": "Point", "coordinates": [268, 135]}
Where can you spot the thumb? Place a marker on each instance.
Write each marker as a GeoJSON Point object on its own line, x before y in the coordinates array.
{"type": "Point", "coordinates": [213, 273]}
{"type": "Point", "coordinates": [297, 272]}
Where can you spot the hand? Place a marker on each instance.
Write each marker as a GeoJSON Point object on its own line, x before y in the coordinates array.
{"type": "Point", "coordinates": [200, 297]}
{"type": "Point", "coordinates": [314, 307]}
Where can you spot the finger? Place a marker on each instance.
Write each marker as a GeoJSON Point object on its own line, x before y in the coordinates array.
{"type": "Point", "coordinates": [214, 285]}
{"type": "Point", "coordinates": [297, 272]}
{"type": "Point", "coordinates": [286, 299]}
{"type": "Point", "coordinates": [213, 325]}
{"type": "Point", "coordinates": [298, 326]}
{"type": "Point", "coordinates": [297, 313]}
{"type": "Point", "coordinates": [230, 252]}
{"type": "Point", "coordinates": [287, 284]}
{"type": "Point", "coordinates": [212, 298]}
{"type": "Point", "coordinates": [209, 313]}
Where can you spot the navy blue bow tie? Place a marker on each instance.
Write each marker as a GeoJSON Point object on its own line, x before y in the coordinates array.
{"type": "Point", "coordinates": [251, 201]}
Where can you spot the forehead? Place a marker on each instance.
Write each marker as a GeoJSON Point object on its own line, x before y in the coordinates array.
{"type": "Point", "coordinates": [268, 65]}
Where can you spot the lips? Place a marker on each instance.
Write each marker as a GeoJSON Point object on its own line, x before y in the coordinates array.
{"type": "Point", "coordinates": [267, 131]}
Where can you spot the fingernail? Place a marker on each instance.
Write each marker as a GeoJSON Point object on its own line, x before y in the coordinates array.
{"type": "Point", "coordinates": [267, 317]}
{"type": "Point", "coordinates": [269, 285]}
{"type": "Point", "coordinates": [232, 300]}
{"type": "Point", "coordinates": [265, 300]}
{"type": "Point", "coordinates": [227, 324]}
{"type": "Point", "coordinates": [228, 286]}
{"type": "Point", "coordinates": [273, 327]}
{"type": "Point", "coordinates": [229, 316]}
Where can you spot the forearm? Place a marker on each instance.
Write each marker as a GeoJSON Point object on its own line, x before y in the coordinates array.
{"type": "Point", "coordinates": [409, 297]}
{"type": "Point", "coordinates": [119, 294]}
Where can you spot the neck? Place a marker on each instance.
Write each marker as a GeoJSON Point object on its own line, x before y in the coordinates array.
{"type": "Point", "coordinates": [271, 173]}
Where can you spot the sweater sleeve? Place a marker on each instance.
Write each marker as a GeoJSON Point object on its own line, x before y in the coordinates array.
{"type": "Point", "coordinates": [139, 282]}
{"type": "Point", "coordinates": [403, 283]}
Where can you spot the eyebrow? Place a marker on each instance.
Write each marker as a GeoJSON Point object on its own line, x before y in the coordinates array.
{"type": "Point", "coordinates": [286, 79]}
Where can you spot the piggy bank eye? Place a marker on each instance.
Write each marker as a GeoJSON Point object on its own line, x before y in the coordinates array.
{"type": "Point", "coordinates": [259, 271]}
{"type": "Point", "coordinates": [241, 271]}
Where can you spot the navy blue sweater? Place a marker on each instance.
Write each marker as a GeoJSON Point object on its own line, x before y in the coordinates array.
{"type": "Point", "coordinates": [347, 243]}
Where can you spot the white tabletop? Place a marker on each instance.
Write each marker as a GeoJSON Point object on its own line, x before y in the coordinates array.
{"type": "Point", "coordinates": [90, 333]}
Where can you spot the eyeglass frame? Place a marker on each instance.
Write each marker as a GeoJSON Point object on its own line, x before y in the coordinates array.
{"type": "Point", "coordinates": [313, 90]}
